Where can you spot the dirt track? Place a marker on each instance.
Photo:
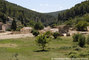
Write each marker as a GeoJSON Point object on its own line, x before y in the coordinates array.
{"type": "Point", "coordinates": [7, 35]}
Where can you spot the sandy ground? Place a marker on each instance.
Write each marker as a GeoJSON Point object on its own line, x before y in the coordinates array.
{"type": "Point", "coordinates": [7, 35]}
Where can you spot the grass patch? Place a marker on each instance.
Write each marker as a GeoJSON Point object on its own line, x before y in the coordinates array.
{"type": "Point", "coordinates": [62, 47]}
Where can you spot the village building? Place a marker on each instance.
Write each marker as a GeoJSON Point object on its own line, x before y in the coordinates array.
{"type": "Point", "coordinates": [4, 27]}
{"type": "Point", "coordinates": [88, 28]}
{"type": "Point", "coordinates": [63, 30]}
{"type": "Point", "coordinates": [49, 29]}
{"type": "Point", "coordinates": [26, 30]}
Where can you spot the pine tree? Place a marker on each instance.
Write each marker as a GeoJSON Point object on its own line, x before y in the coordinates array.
{"type": "Point", "coordinates": [14, 25]}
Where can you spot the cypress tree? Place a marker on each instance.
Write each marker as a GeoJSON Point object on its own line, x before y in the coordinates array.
{"type": "Point", "coordinates": [14, 25]}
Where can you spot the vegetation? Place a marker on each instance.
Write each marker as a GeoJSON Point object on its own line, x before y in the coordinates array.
{"type": "Point", "coordinates": [14, 25]}
{"type": "Point", "coordinates": [23, 15]}
{"type": "Point", "coordinates": [76, 37]}
{"type": "Point", "coordinates": [38, 26]}
{"type": "Point", "coordinates": [35, 32]}
{"type": "Point", "coordinates": [81, 41]}
{"type": "Point", "coordinates": [82, 26]}
{"type": "Point", "coordinates": [78, 10]}
{"type": "Point", "coordinates": [42, 41]}
{"type": "Point", "coordinates": [88, 40]}
{"type": "Point", "coordinates": [48, 34]}
{"type": "Point", "coordinates": [22, 47]}
{"type": "Point", "coordinates": [55, 35]}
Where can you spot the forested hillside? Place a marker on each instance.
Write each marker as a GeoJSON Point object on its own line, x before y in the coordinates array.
{"type": "Point", "coordinates": [55, 14]}
{"type": "Point", "coordinates": [25, 16]}
{"type": "Point", "coordinates": [78, 10]}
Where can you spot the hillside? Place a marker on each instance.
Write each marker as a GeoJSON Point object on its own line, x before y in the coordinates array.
{"type": "Point", "coordinates": [55, 14]}
{"type": "Point", "coordinates": [22, 14]}
{"type": "Point", "coordinates": [78, 10]}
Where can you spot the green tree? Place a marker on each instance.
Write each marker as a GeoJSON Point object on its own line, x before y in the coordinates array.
{"type": "Point", "coordinates": [76, 37]}
{"type": "Point", "coordinates": [88, 40]}
{"type": "Point", "coordinates": [48, 34]}
{"type": "Point", "coordinates": [55, 35]}
{"type": "Point", "coordinates": [81, 41]}
{"type": "Point", "coordinates": [35, 32]}
{"type": "Point", "coordinates": [42, 41]}
{"type": "Point", "coordinates": [14, 25]}
{"type": "Point", "coordinates": [81, 26]}
{"type": "Point", "coordinates": [38, 26]}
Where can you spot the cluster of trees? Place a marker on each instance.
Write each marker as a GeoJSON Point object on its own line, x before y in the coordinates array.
{"type": "Point", "coordinates": [78, 10]}
{"type": "Point", "coordinates": [22, 14]}
{"type": "Point", "coordinates": [81, 39]}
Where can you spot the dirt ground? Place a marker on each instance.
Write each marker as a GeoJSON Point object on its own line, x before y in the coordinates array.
{"type": "Point", "coordinates": [8, 35]}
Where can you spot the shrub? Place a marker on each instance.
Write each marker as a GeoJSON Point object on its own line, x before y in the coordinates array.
{"type": "Point", "coordinates": [38, 26]}
{"type": "Point", "coordinates": [73, 56]}
{"type": "Point", "coordinates": [76, 37]}
{"type": "Point", "coordinates": [48, 34]}
{"type": "Point", "coordinates": [42, 41]}
{"type": "Point", "coordinates": [55, 35]}
{"type": "Point", "coordinates": [82, 26]}
{"type": "Point", "coordinates": [88, 40]}
{"type": "Point", "coordinates": [14, 25]}
{"type": "Point", "coordinates": [77, 48]}
{"type": "Point", "coordinates": [35, 32]}
{"type": "Point", "coordinates": [81, 41]}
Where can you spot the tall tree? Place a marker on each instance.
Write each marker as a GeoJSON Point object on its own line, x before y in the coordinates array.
{"type": "Point", "coordinates": [14, 25]}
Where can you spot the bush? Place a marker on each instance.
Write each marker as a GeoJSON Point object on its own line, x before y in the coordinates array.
{"type": "Point", "coordinates": [35, 32]}
{"type": "Point", "coordinates": [81, 41]}
{"type": "Point", "coordinates": [55, 35]}
{"type": "Point", "coordinates": [73, 54]}
{"type": "Point", "coordinates": [48, 34]}
{"type": "Point", "coordinates": [88, 40]}
{"type": "Point", "coordinates": [76, 37]}
{"type": "Point", "coordinates": [42, 41]}
{"type": "Point", "coordinates": [82, 26]}
{"type": "Point", "coordinates": [38, 26]}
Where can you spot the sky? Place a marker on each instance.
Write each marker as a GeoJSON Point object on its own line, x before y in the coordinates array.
{"type": "Point", "coordinates": [45, 6]}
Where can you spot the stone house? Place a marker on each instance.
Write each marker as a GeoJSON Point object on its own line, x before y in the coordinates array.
{"type": "Point", "coordinates": [63, 29]}
{"type": "Point", "coordinates": [49, 29]}
{"type": "Point", "coordinates": [4, 27]}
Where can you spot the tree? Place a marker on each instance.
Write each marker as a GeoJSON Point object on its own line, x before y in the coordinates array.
{"type": "Point", "coordinates": [55, 35]}
{"type": "Point", "coordinates": [88, 40]}
{"type": "Point", "coordinates": [38, 26]}
{"type": "Point", "coordinates": [42, 41]}
{"type": "Point", "coordinates": [81, 26]}
{"type": "Point", "coordinates": [81, 41]}
{"type": "Point", "coordinates": [48, 34]}
{"type": "Point", "coordinates": [14, 25]}
{"type": "Point", "coordinates": [76, 37]}
{"type": "Point", "coordinates": [35, 32]}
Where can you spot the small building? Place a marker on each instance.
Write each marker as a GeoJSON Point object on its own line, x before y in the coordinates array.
{"type": "Point", "coordinates": [49, 29]}
{"type": "Point", "coordinates": [26, 30]}
{"type": "Point", "coordinates": [4, 27]}
{"type": "Point", "coordinates": [87, 28]}
{"type": "Point", "coordinates": [54, 30]}
{"type": "Point", "coordinates": [1, 25]}
{"type": "Point", "coordinates": [63, 29]}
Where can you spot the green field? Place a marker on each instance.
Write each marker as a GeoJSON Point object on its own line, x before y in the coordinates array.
{"type": "Point", "coordinates": [26, 49]}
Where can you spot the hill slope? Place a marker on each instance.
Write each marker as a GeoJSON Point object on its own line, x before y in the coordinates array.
{"type": "Point", "coordinates": [55, 14]}
{"type": "Point", "coordinates": [78, 10]}
{"type": "Point", "coordinates": [22, 14]}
